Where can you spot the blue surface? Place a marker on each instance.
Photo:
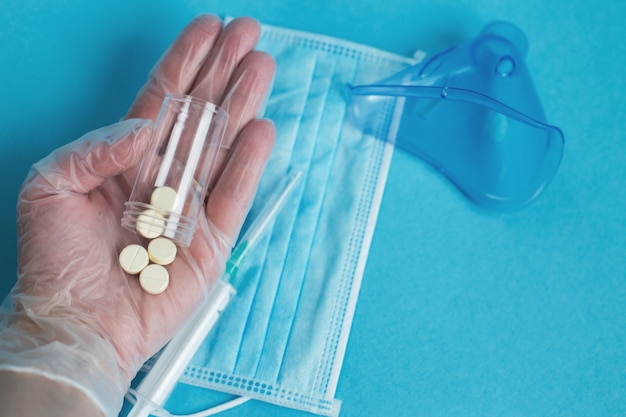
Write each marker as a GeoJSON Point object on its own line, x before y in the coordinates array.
{"type": "Point", "coordinates": [462, 312]}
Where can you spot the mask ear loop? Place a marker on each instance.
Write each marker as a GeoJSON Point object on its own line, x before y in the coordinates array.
{"type": "Point", "coordinates": [159, 411]}
{"type": "Point", "coordinates": [235, 402]}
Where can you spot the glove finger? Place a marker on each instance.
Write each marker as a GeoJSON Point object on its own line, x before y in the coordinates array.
{"type": "Point", "coordinates": [178, 67]}
{"type": "Point", "coordinates": [237, 39]}
{"type": "Point", "coordinates": [246, 93]}
{"type": "Point", "coordinates": [83, 165]}
{"type": "Point", "coordinates": [231, 199]}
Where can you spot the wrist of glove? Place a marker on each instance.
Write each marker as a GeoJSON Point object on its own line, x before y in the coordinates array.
{"type": "Point", "coordinates": [62, 349]}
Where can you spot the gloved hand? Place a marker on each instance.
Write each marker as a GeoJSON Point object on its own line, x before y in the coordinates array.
{"type": "Point", "coordinates": [77, 316]}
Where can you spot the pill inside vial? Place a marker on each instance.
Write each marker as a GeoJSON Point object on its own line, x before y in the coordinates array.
{"type": "Point", "coordinates": [154, 279]}
{"type": "Point", "coordinates": [164, 198]}
{"type": "Point", "coordinates": [150, 224]}
{"type": "Point", "coordinates": [133, 258]}
{"type": "Point", "coordinates": [162, 251]}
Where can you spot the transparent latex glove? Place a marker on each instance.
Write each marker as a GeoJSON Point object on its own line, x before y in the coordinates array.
{"type": "Point", "coordinates": [77, 317]}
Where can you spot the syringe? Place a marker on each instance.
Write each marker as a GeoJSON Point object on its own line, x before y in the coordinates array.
{"type": "Point", "coordinates": [157, 385]}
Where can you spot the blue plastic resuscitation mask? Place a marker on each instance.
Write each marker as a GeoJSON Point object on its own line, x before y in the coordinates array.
{"type": "Point", "coordinates": [283, 337]}
{"type": "Point", "coordinates": [473, 113]}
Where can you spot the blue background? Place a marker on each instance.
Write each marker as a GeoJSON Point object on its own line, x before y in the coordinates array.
{"type": "Point", "coordinates": [461, 312]}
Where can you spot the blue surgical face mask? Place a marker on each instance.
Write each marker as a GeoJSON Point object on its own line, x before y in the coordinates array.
{"type": "Point", "coordinates": [283, 337]}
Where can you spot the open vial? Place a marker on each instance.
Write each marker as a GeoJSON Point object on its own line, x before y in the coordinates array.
{"type": "Point", "coordinates": [173, 178]}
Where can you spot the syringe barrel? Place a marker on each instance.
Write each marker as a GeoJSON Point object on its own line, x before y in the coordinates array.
{"type": "Point", "coordinates": [158, 384]}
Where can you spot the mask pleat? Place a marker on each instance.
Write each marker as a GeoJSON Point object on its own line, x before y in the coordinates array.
{"type": "Point", "coordinates": [315, 159]}
{"type": "Point", "coordinates": [330, 237]}
{"type": "Point", "coordinates": [240, 343]}
{"type": "Point", "coordinates": [283, 336]}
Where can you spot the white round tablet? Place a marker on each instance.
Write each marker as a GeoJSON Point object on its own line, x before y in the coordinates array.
{"type": "Point", "coordinates": [150, 224]}
{"type": "Point", "coordinates": [164, 198]}
{"type": "Point", "coordinates": [154, 279]}
{"type": "Point", "coordinates": [133, 258]}
{"type": "Point", "coordinates": [162, 251]}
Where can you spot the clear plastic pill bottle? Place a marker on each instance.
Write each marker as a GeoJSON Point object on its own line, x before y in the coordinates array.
{"type": "Point", "coordinates": [173, 178]}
